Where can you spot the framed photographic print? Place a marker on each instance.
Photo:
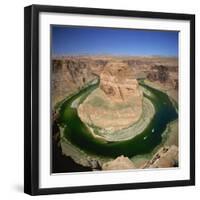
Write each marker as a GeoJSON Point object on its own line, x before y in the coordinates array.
{"type": "Point", "coordinates": [109, 100]}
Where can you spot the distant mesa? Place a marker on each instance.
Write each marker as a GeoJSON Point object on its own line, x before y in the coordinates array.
{"type": "Point", "coordinates": [117, 103]}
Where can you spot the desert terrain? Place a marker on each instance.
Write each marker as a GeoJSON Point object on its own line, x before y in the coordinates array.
{"type": "Point", "coordinates": [70, 73]}
{"type": "Point", "coordinates": [118, 108]}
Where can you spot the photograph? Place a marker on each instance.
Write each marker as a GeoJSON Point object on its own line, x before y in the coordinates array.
{"type": "Point", "coordinates": [109, 99]}
{"type": "Point", "coordinates": [114, 99]}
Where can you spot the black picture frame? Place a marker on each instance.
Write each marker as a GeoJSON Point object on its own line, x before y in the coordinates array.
{"type": "Point", "coordinates": [31, 98]}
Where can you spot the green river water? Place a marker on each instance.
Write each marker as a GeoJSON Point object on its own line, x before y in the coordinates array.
{"type": "Point", "coordinates": [79, 135]}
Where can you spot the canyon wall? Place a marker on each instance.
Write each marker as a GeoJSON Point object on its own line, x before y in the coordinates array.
{"type": "Point", "coordinates": [70, 73]}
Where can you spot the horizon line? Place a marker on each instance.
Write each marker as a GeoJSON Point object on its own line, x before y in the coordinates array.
{"type": "Point", "coordinates": [113, 55]}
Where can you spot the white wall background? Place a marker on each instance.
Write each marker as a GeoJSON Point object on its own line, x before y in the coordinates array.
{"type": "Point", "coordinates": [11, 99]}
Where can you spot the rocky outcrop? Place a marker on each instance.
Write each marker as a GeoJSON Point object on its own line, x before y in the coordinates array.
{"type": "Point", "coordinates": [117, 103]}
{"type": "Point", "coordinates": [158, 73]}
{"type": "Point", "coordinates": [119, 163]}
{"type": "Point", "coordinates": [165, 157]}
{"type": "Point", "coordinates": [118, 82]}
{"type": "Point", "coordinates": [70, 73]}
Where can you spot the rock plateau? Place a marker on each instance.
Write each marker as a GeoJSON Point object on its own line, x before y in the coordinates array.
{"type": "Point", "coordinates": [117, 103]}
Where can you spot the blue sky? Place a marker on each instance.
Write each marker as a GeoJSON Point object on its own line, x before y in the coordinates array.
{"type": "Point", "coordinates": [69, 40]}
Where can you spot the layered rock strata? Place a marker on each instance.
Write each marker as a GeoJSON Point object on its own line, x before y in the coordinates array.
{"type": "Point", "coordinates": [117, 103]}
{"type": "Point", "coordinates": [118, 82]}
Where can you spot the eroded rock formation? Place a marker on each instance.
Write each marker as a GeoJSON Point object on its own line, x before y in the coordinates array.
{"type": "Point", "coordinates": [118, 82]}
{"type": "Point", "coordinates": [70, 73]}
{"type": "Point", "coordinates": [119, 163]}
{"type": "Point", "coordinates": [117, 103]}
